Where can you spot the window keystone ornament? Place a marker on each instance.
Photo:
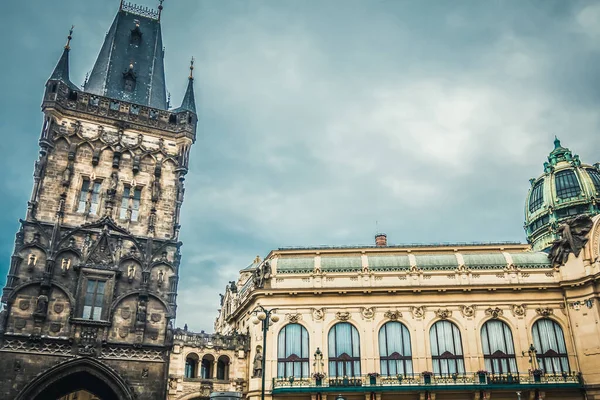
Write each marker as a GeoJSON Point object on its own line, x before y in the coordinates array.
{"type": "Point", "coordinates": [367, 312]}
{"type": "Point", "coordinates": [318, 314]}
{"type": "Point", "coordinates": [467, 311]}
{"type": "Point", "coordinates": [494, 312]}
{"type": "Point", "coordinates": [544, 312]}
{"type": "Point", "coordinates": [418, 312]}
{"type": "Point", "coordinates": [342, 315]}
{"type": "Point", "coordinates": [518, 310]}
{"type": "Point", "coordinates": [293, 318]}
{"type": "Point", "coordinates": [443, 313]}
{"type": "Point", "coordinates": [393, 315]}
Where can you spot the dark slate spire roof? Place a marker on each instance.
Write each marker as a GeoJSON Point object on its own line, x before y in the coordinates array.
{"type": "Point", "coordinates": [134, 39]}
{"type": "Point", "coordinates": [61, 71]}
{"type": "Point", "coordinates": [189, 101]}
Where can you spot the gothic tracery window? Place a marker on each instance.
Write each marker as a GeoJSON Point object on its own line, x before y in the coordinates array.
{"type": "Point", "coordinates": [446, 348]}
{"type": "Point", "coordinates": [498, 347]}
{"type": "Point", "coordinates": [292, 351]}
{"type": "Point", "coordinates": [344, 350]}
{"type": "Point", "coordinates": [394, 349]}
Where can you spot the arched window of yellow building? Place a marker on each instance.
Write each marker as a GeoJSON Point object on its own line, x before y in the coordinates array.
{"type": "Point", "coordinates": [498, 348]}
{"type": "Point", "coordinates": [344, 350]}
{"type": "Point", "coordinates": [446, 349]}
{"type": "Point", "coordinates": [292, 352]}
{"type": "Point", "coordinates": [394, 349]}
{"type": "Point", "coordinates": [549, 341]}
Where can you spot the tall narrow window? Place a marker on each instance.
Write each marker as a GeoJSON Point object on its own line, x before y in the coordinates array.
{"type": "Point", "coordinates": [344, 350]}
{"type": "Point", "coordinates": [124, 203]}
{"type": "Point", "coordinates": [85, 187]}
{"type": "Point", "coordinates": [191, 366]}
{"type": "Point", "coordinates": [498, 348]}
{"type": "Point", "coordinates": [536, 199]}
{"type": "Point", "coordinates": [206, 369]}
{"type": "Point", "coordinates": [567, 185]}
{"type": "Point", "coordinates": [94, 297]}
{"type": "Point", "coordinates": [394, 349]}
{"type": "Point", "coordinates": [595, 177]}
{"type": "Point", "coordinates": [292, 352]}
{"type": "Point", "coordinates": [223, 368]}
{"type": "Point", "coordinates": [95, 198]}
{"type": "Point", "coordinates": [446, 348]}
{"type": "Point", "coordinates": [135, 207]}
{"type": "Point", "coordinates": [549, 341]}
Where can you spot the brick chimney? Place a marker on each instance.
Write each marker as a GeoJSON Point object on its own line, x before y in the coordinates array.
{"type": "Point", "coordinates": [381, 240]}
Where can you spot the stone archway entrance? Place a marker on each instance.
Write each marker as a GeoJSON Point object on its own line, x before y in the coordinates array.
{"type": "Point", "coordinates": [80, 374]}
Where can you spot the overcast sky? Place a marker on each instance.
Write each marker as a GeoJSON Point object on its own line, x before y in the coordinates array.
{"type": "Point", "coordinates": [323, 121]}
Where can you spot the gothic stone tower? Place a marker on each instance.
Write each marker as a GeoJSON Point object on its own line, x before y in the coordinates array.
{"type": "Point", "coordinates": [91, 290]}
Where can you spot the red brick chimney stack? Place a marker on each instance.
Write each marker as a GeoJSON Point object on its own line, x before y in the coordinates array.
{"type": "Point", "coordinates": [381, 240]}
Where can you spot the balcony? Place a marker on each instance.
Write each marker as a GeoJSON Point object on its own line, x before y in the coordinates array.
{"type": "Point", "coordinates": [417, 382]}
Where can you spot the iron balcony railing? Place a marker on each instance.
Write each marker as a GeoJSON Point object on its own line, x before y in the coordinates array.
{"type": "Point", "coordinates": [406, 380]}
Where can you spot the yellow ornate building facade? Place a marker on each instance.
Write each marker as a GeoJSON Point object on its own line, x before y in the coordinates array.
{"type": "Point", "coordinates": [459, 321]}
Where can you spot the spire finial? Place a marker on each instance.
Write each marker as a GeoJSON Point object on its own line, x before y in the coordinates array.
{"type": "Point", "coordinates": [556, 142]}
{"type": "Point", "coordinates": [68, 45]}
{"type": "Point", "coordinates": [160, 8]}
{"type": "Point", "coordinates": [192, 69]}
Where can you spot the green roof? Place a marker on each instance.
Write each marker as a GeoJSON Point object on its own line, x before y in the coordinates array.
{"type": "Point", "coordinates": [295, 265]}
{"type": "Point", "coordinates": [531, 260]}
{"type": "Point", "coordinates": [437, 261]}
{"type": "Point", "coordinates": [485, 260]}
{"type": "Point", "coordinates": [341, 264]}
{"type": "Point", "coordinates": [389, 263]}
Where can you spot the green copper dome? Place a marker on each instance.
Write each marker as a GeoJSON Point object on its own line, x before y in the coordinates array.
{"type": "Point", "coordinates": [567, 188]}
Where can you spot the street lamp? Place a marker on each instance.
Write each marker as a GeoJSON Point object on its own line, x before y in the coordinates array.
{"type": "Point", "coordinates": [265, 316]}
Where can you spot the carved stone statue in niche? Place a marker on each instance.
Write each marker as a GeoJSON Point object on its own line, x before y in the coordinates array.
{"type": "Point", "coordinates": [131, 273]}
{"type": "Point", "coordinates": [572, 239]}
{"type": "Point", "coordinates": [31, 261]}
{"type": "Point", "coordinates": [66, 176]}
{"type": "Point", "coordinates": [113, 183]}
{"type": "Point", "coordinates": [141, 312]}
{"type": "Point", "coordinates": [257, 364]}
{"type": "Point", "coordinates": [41, 305]}
{"type": "Point", "coordinates": [161, 277]}
{"type": "Point", "coordinates": [65, 265]}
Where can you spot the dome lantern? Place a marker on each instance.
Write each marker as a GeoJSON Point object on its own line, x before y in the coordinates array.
{"type": "Point", "coordinates": [566, 188]}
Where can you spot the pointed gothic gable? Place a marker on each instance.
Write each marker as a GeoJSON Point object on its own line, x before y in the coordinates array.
{"type": "Point", "coordinates": [101, 254]}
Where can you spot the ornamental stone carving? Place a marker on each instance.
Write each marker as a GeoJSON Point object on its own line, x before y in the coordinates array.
{"type": "Point", "coordinates": [467, 311]}
{"type": "Point", "coordinates": [293, 318]}
{"type": "Point", "coordinates": [318, 314]}
{"type": "Point", "coordinates": [544, 312]}
{"type": "Point", "coordinates": [342, 315]}
{"type": "Point", "coordinates": [24, 304]}
{"type": "Point", "coordinates": [518, 310]}
{"type": "Point", "coordinates": [367, 312]}
{"type": "Point", "coordinates": [443, 313]}
{"type": "Point", "coordinates": [418, 312]}
{"type": "Point", "coordinates": [393, 315]}
{"type": "Point", "coordinates": [58, 307]}
{"type": "Point", "coordinates": [494, 312]}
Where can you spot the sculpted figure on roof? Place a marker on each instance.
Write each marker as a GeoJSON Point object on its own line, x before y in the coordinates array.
{"type": "Point", "coordinates": [572, 239]}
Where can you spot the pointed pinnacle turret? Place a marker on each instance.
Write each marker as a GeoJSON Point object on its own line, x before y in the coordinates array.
{"type": "Point", "coordinates": [189, 101]}
{"type": "Point", "coordinates": [61, 71]}
{"type": "Point", "coordinates": [556, 142]}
